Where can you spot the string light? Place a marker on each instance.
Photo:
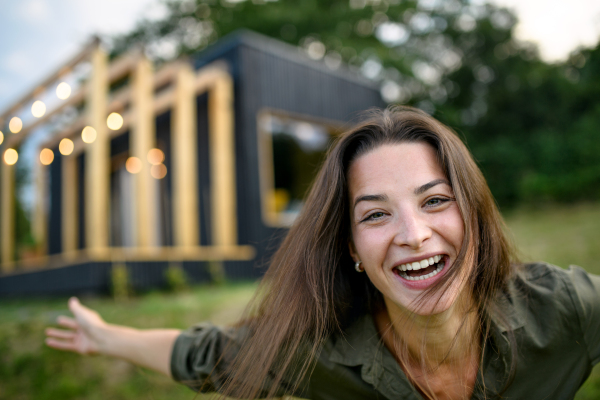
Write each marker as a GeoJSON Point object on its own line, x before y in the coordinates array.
{"type": "Point", "coordinates": [1, 137]}
{"type": "Point", "coordinates": [88, 134]}
{"type": "Point", "coordinates": [38, 109]}
{"type": "Point", "coordinates": [46, 156]}
{"type": "Point", "coordinates": [66, 147]}
{"type": "Point", "coordinates": [155, 156]}
{"type": "Point", "coordinates": [63, 90]}
{"type": "Point", "coordinates": [15, 125]}
{"type": "Point", "coordinates": [133, 165]}
{"type": "Point", "coordinates": [158, 171]}
{"type": "Point", "coordinates": [11, 156]}
{"type": "Point", "coordinates": [114, 121]}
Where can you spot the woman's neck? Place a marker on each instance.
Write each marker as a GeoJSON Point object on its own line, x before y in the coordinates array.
{"type": "Point", "coordinates": [446, 338]}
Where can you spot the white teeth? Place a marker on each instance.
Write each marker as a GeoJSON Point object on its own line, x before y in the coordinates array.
{"type": "Point", "coordinates": [420, 278]}
{"type": "Point", "coordinates": [417, 265]}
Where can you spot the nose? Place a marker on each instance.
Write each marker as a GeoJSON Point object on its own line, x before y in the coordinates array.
{"type": "Point", "coordinates": [412, 230]}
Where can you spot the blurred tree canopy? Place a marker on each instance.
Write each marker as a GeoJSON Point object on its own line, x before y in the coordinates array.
{"type": "Point", "coordinates": [531, 126]}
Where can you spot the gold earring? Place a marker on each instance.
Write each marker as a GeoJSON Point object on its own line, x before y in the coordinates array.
{"type": "Point", "coordinates": [357, 266]}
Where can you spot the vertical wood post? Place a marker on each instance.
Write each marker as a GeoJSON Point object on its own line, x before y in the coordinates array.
{"type": "Point", "coordinates": [70, 223]}
{"type": "Point", "coordinates": [142, 139]}
{"type": "Point", "coordinates": [184, 161]}
{"type": "Point", "coordinates": [222, 162]}
{"type": "Point", "coordinates": [7, 216]}
{"type": "Point", "coordinates": [97, 157]}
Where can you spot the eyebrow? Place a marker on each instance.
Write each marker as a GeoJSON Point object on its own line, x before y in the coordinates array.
{"type": "Point", "coordinates": [370, 197]}
{"type": "Point", "coordinates": [420, 190]}
{"type": "Point", "coordinates": [427, 186]}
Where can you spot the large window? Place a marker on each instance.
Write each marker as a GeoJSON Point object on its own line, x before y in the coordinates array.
{"type": "Point", "coordinates": [292, 151]}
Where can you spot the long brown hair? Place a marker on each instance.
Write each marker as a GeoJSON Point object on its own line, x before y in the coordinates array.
{"type": "Point", "coordinates": [311, 290]}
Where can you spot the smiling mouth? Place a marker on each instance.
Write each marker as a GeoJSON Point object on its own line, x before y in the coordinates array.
{"type": "Point", "coordinates": [423, 269]}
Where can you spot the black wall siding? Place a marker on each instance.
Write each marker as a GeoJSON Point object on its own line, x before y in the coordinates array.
{"type": "Point", "coordinates": [55, 206]}
{"type": "Point", "coordinates": [203, 152]}
{"type": "Point", "coordinates": [81, 198]}
{"type": "Point", "coordinates": [251, 96]}
{"type": "Point", "coordinates": [95, 277]}
{"type": "Point", "coordinates": [163, 141]}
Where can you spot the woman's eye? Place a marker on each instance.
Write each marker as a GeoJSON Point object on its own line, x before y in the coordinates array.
{"type": "Point", "coordinates": [374, 216]}
{"type": "Point", "coordinates": [435, 201]}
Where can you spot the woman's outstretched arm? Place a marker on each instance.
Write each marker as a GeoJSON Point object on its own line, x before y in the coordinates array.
{"type": "Point", "coordinates": [88, 333]}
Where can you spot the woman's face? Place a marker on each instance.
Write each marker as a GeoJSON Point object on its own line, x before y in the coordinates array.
{"type": "Point", "coordinates": [406, 226]}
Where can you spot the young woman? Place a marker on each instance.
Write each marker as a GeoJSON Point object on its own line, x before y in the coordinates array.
{"type": "Point", "coordinates": [396, 281]}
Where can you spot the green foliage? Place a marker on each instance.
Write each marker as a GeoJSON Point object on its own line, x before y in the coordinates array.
{"type": "Point", "coordinates": [216, 270]}
{"type": "Point", "coordinates": [177, 279]}
{"type": "Point", "coordinates": [532, 127]}
{"type": "Point", "coordinates": [121, 287]}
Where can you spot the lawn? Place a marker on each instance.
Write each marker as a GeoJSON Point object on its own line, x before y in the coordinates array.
{"type": "Point", "coordinates": [562, 235]}
{"type": "Point", "coordinates": [28, 370]}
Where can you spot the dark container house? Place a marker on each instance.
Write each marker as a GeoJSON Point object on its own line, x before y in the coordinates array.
{"type": "Point", "coordinates": [205, 169]}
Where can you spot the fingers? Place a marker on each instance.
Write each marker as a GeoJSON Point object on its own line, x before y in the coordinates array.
{"type": "Point", "coordinates": [67, 322]}
{"type": "Point", "coordinates": [60, 344]}
{"type": "Point", "coordinates": [60, 334]}
{"type": "Point", "coordinates": [61, 339]}
{"type": "Point", "coordinates": [75, 305]}
{"type": "Point", "coordinates": [81, 312]}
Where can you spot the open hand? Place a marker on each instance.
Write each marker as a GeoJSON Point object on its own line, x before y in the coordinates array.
{"type": "Point", "coordinates": [83, 333]}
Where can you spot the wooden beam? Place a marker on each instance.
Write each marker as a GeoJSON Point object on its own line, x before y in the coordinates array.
{"type": "Point", "coordinates": [7, 212]}
{"type": "Point", "coordinates": [222, 161]}
{"type": "Point", "coordinates": [163, 100]}
{"type": "Point", "coordinates": [196, 253]}
{"type": "Point", "coordinates": [15, 141]}
{"type": "Point", "coordinates": [117, 70]}
{"type": "Point", "coordinates": [118, 102]}
{"type": "Point", "coordinates": [97, 168]}
{"type": "Point", "coordinates": [70, 209]}
{"type": "Point", "coordinates": [184, 162]}
{"type": "Point", "coordinates": [142, 139]}
{"type": "Point", "coordinates": [79, 57]}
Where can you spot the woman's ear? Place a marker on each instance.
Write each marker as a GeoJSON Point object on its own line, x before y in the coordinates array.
{"type": "Point", "coordinates": [353, 252]}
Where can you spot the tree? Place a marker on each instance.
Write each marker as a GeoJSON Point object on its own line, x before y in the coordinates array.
{"type": "Point", "coordinates": [525, 121]}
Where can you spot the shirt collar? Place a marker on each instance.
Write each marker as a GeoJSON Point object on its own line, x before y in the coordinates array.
{"type": "Point", "coordinates": [361, 345]}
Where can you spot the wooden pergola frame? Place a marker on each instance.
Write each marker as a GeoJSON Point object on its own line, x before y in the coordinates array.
{"type": "Point", "coordinates": [181, 86]}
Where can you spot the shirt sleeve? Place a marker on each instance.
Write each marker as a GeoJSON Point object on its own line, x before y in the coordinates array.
{"type": "Point", "coordinates": [587, 303]}
{"type": "Point", "coordinates": [202, 354]}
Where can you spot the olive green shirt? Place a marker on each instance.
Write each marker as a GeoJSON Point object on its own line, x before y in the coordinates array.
{"type": "Point", "coordinates": [554, 314]}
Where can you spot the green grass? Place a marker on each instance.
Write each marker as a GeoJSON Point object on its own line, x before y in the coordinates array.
{"type": "Point", "coordinates": [561, 235]}
{"type": "Point", "coordinates": [30, 370]}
